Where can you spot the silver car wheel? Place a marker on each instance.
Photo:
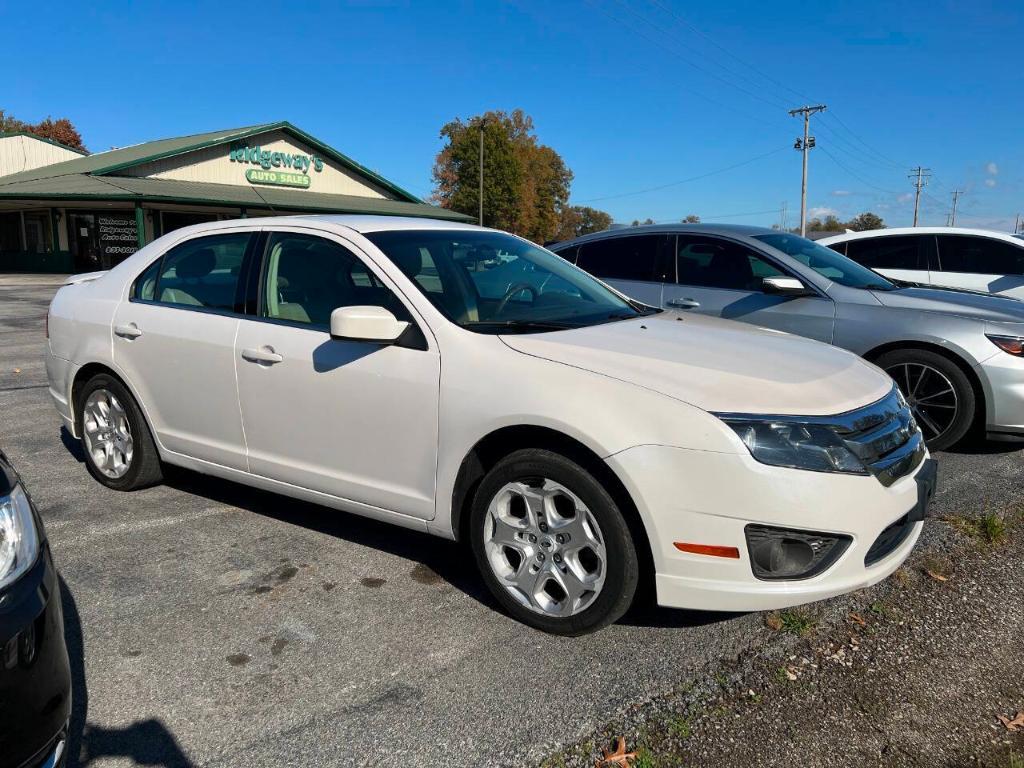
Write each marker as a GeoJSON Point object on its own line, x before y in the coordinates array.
{"type": "Point", "coordinates": [930, 395]}
{"type": "Point", "coordinates": [107, 435]}
{"type": "Point", "coordinates": [545, 547]}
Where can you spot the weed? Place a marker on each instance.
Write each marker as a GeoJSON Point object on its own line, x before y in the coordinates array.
{"type": "Point", "coordinates": [797, 622]}
{"type": "Point", "coordinates": [644, 759]}
{"type": "Point", "coordinates": [681, 726]}
{"type": "Point", "coordinates": [989, 529]}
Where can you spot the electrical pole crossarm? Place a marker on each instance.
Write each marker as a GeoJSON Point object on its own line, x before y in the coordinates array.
{"type": "Point", "coordinates": [804, 145]}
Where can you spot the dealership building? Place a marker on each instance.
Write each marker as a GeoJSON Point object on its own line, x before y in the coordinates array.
{"type": "Point", "coordinates": [65, 211]}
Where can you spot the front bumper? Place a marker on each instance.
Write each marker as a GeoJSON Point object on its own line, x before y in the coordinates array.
{"type": "Point", "coordinates": [35, 677]}
{"type": "Point", "coordinates": [1002, 377]}
{"type": "Point", "coordinates": [709, 498]}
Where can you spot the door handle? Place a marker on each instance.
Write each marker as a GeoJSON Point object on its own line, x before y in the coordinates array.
{"type": "Point", "coordinates": [129, 331]}
{"type": "Point", "coordinates": [265, 355]}
{"type": "Point", "coordinates": [683, 303]}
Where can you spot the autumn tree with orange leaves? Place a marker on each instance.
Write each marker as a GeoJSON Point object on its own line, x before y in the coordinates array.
{"type": "Point", "coordinates": [61, 130]}
{"type": "Point", "coordinates": [526, 183]}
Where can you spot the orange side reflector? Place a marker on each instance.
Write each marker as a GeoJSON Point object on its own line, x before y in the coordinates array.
{"type": "Point", "coordinates": [708, 549]}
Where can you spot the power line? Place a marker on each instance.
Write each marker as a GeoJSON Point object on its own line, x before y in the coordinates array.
{"type": "Point", "coordinates": [698, 67]}
{"type": "Point", "coordinates": [855, 175]}
{"type": "Point", "coordinates": [682, 181]}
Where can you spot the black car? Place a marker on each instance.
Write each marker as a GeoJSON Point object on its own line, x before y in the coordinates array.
{"type": "Point", "coordinates": [35, 678]}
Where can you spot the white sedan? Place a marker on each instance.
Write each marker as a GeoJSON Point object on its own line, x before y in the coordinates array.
{"type": "Point", "coordinates": [467, 383]}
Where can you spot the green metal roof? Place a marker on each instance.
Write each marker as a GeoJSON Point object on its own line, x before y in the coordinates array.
{"type": "Point", "coordinates": [131, 189]}
{"type": "Point", "coordinates": [96, 177]}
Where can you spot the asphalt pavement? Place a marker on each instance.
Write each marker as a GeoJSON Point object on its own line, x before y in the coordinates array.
{"type": "Point", "coordinates": [211, 624]}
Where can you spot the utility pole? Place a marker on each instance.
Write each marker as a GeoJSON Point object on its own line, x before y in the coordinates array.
{"type": "Point", "coordinates": [480, 218]}
{"type": "Point", "coordinates": [804, 145]}
{"type": "Point", "coordinates": [922, 179]}
{"type": "Point", "coordinates": [1016, 225]}
{"type": "Point", "coordinates": [782, 217]}
{"type": "Point", "coordinates": [952, 215]}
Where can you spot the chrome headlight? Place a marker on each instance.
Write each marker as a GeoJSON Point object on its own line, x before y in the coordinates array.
{"type": "Point", "coordinates": [784, 443]}
{"type": "Point", "coordinates": [19, 541]}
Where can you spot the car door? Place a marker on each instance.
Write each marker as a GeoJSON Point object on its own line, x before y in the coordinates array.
{"type": "Point", "coordinates": [637, 265]}
{"type": "Point", "coordinates": [352, 419]}
{"type": "Point", "coordinates": [174, 339]}
{"type": "Point", "coordinates": [724, 278]}
{"type": "Point", "coordinates": [901, 257]}
{"type": "Point", "coordinates": [981, 264]}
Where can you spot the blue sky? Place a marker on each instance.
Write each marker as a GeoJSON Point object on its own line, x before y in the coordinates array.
{"type": "Point", "coordinates": [635, 94]}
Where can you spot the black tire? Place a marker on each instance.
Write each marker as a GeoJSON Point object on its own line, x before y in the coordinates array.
{"type": "Point", "coordinates": [144, 469]}
{"type": "Point", "coordinates": [621, 562]}
{"type": "Point", "coordinates": [904, 363]}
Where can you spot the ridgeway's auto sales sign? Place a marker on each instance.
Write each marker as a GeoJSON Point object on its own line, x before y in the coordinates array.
{"type": "Point", "coordinates": [269, 161]}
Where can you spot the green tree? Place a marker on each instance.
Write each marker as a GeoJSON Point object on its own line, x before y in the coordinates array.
{"type": "Point", "coordinates": [577, 220]}
{"type": "Point", "coordinates": [865, 221]}
{"type": "Point", "coordinates": [60, 130]}
{"type": "Point", "coordinates": [830, 224]}
{"type": "Point", "coordinates": [692, 219]}
{"type": "Point", "coordinates": [526, 184]}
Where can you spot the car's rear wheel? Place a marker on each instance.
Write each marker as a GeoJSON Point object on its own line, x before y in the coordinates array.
{"type": "Point", "coordinates": [939, 394]}
{"type": "Point", "coordinates": [552, 545]}
{"type": "Point", "coordinates": [119, 448]}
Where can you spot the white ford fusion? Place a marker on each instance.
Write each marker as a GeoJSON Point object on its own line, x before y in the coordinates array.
{"type": "Point", "coordinates": [464, 382]}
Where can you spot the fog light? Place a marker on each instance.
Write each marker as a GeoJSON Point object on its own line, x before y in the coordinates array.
{"type": "Point", "coordinates": [782, 553]}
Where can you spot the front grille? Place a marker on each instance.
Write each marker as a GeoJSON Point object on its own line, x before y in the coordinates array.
{"type": "Point", "coordinates": [884, 436]}
{"type": "Point", "coordinates": [889, 539]}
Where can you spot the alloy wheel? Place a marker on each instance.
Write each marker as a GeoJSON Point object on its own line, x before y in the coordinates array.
{"type": "Point", "coordinates": [930, 395]}
{"type": "Point", "coordinates": [545, 547]}
{"type": "Point", "coordinates": [107, 434]}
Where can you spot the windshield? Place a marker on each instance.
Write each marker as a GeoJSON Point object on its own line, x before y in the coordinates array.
{"type": "Point", "coordinates": [827, 262]}
{"type": "Point", "coordinates": [491, 282]}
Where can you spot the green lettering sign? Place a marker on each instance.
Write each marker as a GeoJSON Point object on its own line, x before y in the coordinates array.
{"type": "Point", "coordinates": [277, 178]}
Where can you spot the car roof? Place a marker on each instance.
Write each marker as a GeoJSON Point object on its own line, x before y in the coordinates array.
{"type": "Point", "coordinates": [742, 230]}
{"type": "Point", "coordinates": [842, 237]}
{"type": "Point", "coordinates": [361, 223]}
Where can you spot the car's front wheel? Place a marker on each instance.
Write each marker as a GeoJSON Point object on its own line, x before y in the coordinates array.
{"type": "Point", "coordinates": [552, 544]}
{"type": "Point", "coordinates": [939, 394]}
{"type": "Point", "coordinates": [119, 449]}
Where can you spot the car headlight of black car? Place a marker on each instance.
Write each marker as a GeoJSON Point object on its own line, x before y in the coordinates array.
{"type": "Point", "coordinates": [19, 540]}
{"type": "Point", "coordinates": [816, 447]}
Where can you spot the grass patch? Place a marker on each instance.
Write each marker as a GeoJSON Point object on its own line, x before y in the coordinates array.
{"type": "Point", "coordinates": [794, 620]}
{"type": "Point", "coordinates": [644, 759]}
{"type": "Point", "coordinates": [990, 529]}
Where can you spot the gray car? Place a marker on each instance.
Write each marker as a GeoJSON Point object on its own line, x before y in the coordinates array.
{"type": "Point", "coordinates": [958, 356]}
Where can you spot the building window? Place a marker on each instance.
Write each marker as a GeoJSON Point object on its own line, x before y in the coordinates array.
{"type": "Point", "coordinates": [38, 232]}
{"type": "Point", "coordinates": [103, 239]}
{"type": "Point", "coordinates": [172, 220]}
{"type": "Point", "coordinates": [10, 232]}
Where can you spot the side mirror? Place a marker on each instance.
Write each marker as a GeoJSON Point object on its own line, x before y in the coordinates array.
{"type": "Point", "coordinates": [374, 324]}
{"type": "Point", "coordinates": [784, 286]}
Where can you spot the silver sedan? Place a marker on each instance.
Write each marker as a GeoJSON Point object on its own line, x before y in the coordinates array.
{"type": "Point", "coordinates": [957, 355]}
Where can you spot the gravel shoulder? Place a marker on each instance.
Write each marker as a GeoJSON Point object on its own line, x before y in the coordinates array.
{"type": "Point", "coordinates": [913, 672]}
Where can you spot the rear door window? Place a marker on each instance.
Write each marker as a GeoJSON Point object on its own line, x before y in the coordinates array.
{"type": "Point", "coordinates": [967, 253]}
{"type": "Point", "coordinates": [202, 273]}
{"type": "Point", "coordinates": [633, 257]}
{"type": "Point", "coordinates": [896, 252]}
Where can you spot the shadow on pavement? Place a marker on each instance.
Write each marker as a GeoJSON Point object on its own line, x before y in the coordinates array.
{"type": "Point", "coordinates": [442, 559]}
{"type": "Point", "coordinates": [73, 445]}
{"type": "Point", "coordinates": [145, 742]}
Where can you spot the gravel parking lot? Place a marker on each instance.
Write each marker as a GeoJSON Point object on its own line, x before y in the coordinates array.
{"type": "Point", "coordinates": [211, 624]}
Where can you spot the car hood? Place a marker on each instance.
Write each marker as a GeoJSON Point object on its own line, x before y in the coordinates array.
{"type": "Point", "coordinates": [717, 365]}
{"type": "Point", "coordinates": [983, 306]}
